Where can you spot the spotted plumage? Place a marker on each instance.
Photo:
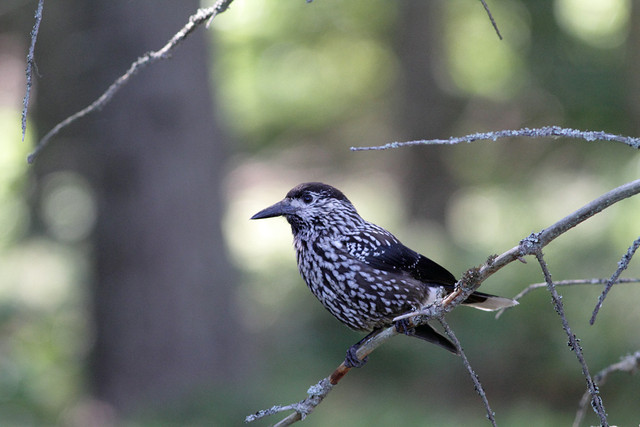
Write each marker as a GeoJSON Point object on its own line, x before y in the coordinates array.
{"type": "Point", "coordinates": [359, 271]}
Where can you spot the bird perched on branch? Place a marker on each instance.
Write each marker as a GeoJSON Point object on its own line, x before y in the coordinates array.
{"type": "Point", "coordinates": [359, 271]}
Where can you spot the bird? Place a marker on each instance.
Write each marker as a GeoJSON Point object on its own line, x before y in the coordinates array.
{"type": "Point", "coordinates": [360, 272]}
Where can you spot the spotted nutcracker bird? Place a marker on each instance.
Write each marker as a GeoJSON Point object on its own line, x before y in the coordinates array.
{"type": "Point", "coordinates": [359, 271]}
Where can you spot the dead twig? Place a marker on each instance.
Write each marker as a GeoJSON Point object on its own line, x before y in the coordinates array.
{"type": "Point", "coordinates": [543, 132]}
{"type": "Point", "coordinates": [627, 364]}
{"type": "Point", "coordinates": [30, 66]}
{"type": "Point", "coordinates": [201, 16]}
{"type": "Point", "coordinates": [622, 265]}
{"type": "Point", "coordinates": [493, 22]}
{"type": "Point", "coordinates": [574, 344]}
{"type": "Point", "coordinates": [557, 283]}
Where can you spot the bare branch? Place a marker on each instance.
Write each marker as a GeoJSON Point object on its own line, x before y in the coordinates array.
{"type": "Point", "coordinates": [303, 408]}
{"type": "Point", "coordinates": [557, 283]}
{"type": "Point", "coordinates": [544, 132]}
{"type": "Point", "coordinates": [472, 374]}
{"type": "Point", "coordinates": [596, 400]}
{"type": "Point", "coordinates": [493, 22]}
{"type": "Point", "coordinates": [622, 265]}
{"type": "Point", "coordinates": [200, 17]}
{"type": "Point", "coordinates": [630, 364]}
{"type": "Point", "coordinates": [30, 65]}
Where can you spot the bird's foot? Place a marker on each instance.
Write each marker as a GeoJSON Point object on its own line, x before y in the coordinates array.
{"type": "Point", "coordinates": [402, 326]}
{"type": "Point", "coordinates": [352, 360]}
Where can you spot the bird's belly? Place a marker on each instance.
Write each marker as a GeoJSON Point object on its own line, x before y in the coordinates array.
{"type": "Point", "coordinates": [361, 298]}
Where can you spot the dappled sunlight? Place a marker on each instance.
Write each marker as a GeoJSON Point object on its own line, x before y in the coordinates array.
{"type": "Point", "coordinates": [37, 275]}
{"type": "Point", "coordinates": [483, 219]}
{"type": "Point", "coordinates": [14, 212]}
{"type": "Point", "coordinates": [47, 332]}
{"type": "Point", "coordinates": [491, 217]}
{"type": "Point", "coordinates": [599, 23]}
{"type": "Point", "coordinates": [478, 62]}
{"type": "Point", "coordinates": [308, 76]}
{"type": "Point", "coordinates": [68, 206]}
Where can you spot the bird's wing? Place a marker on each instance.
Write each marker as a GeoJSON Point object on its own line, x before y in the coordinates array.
{"type": "Point", "coordinates": [380, 249]}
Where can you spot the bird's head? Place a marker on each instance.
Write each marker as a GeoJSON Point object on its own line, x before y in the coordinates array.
{"type": "Point", "coordinates": [312, 205]}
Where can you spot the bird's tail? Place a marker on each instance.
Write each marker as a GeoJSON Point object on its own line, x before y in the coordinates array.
{"type": "Point", "coordinates": [427, 333]}
{"type": "Point", "coordinates": [477, 300]}
{"type": "Point", "coordinates": [488, 302]}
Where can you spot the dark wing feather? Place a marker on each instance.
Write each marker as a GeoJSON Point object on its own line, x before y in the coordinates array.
{"type": "Point", "coordinates": [391, 255]}
{"type": "Point", "coordinates": [379, 249]}
{"type": "Point", "coordinates": [422, 268]}
{"type": "Point", "coordinates": [432, 272]}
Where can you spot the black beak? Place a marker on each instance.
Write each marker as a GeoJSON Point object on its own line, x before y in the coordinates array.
{"type": "Point", "coordinates": [281, 208]}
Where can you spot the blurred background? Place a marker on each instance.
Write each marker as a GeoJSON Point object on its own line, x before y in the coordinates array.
{"type": "Point", "coordinates": [135, 291]}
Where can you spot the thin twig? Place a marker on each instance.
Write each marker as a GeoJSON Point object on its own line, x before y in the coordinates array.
{"type": "Point", "coordinates": [574, 282]}
{"type": "Point", "coordinates": [30, 66]}
{"type": "Point", "coordinates": [543, 132]}
{"type": "Point", "coordinates": [493, 22]}
{"type": "Point", "coordinates": [200, 17]}
{"type": "Point", "coordinates": [596, 400]}
{"type": "Point", "coordinates": [622, 265]}
{"type": "Point", "coordinates": [303, 408]}
{"type": "Point", "coordinates": [472, 374]}
{"type": "Point", "coordinates": [630, 364]}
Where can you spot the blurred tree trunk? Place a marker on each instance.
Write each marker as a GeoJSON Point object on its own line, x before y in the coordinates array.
{"type": "Point", "coordinates": [162, 298]}
{"type": "Point", "coordinates": [424, 110]}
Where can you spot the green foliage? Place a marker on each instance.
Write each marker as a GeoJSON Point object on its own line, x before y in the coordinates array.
{"type": "Point", "coordinates": [289, 66]}
{"type": "Point", "coordinates": [14, 213]}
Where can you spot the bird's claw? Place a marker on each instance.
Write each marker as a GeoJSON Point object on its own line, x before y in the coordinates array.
{"type": "Point", "coordinates": [352, 361]}
{"type": "Point", "coordinates": [402, 326]}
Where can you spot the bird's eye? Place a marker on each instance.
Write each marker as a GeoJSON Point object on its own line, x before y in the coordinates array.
{"type": "Point", "coordinates": [307, 198]}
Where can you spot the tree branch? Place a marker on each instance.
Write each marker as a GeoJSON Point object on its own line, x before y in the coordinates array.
{"type": "Point", "coordinates": [472, 374]}
{"type": "Point", "coordinates": [493, 22]}
{"type": "Point", "coordinates": [30, 65]}
{"type": "Point", "coordinates": [628, 364]}
{"type": "Point", "coordinates": [201, 16]}
{"type": "Point", "coordinates": [596, 400]}
{"type": "Point", "coordinates": [557, 283]}
{"type": "Point", "coordinates": [543, 132]}
{"type": "Point", "coordinates": [622, 265]}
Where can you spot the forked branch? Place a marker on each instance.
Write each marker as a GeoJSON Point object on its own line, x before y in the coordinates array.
{"type": "Point", "coordinates": [630, 364]}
